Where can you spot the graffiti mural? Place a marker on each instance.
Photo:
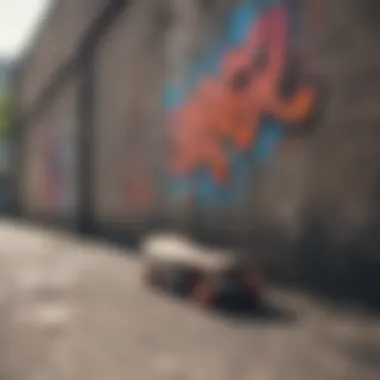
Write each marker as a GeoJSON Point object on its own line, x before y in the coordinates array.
{"type": "Point", "coordinates": [230, 110]}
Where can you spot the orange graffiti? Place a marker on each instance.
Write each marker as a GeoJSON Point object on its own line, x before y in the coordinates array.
{"type": "Point", "coordinates": [228, 110]}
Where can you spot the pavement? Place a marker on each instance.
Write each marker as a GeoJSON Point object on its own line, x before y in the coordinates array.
{"type": "Point", "coordinates": [76, 310]}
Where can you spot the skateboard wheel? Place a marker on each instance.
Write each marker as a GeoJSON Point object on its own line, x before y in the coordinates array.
{"type": "Point", "coordinates": [203, 294]}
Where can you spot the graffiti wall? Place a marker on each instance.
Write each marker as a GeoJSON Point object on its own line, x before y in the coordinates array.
{"type": "Point", "coordinates": [58, 185]}
{"type": "Point", "coordinates": [50, 175]}
{"type": "Point", "coordinates": [230, 106]}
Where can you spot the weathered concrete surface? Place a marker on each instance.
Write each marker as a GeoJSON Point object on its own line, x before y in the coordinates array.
{"type": "Point", "coordinates": [75, 310]}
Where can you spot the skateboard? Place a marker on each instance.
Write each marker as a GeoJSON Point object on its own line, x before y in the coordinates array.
{"type": "Point", "coordinates": [201, 274]}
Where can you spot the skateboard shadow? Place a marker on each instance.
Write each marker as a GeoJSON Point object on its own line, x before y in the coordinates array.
{"type": "Point", "coordinates": [240, 308]}
{"type": "Point", "coordinates": [262, 312]}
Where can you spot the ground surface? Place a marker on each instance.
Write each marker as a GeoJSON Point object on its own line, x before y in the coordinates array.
{"type": "Point", "coordinates": [77, 311]}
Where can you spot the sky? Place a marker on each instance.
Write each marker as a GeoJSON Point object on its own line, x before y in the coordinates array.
{"type": "Point", "coordinates": [18, 21]}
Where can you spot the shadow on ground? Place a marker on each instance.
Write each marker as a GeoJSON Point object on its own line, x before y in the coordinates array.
{"type": "Point", "coordinates": [232, 308]}
{"type": "Point", "coordinates": [264, 312]}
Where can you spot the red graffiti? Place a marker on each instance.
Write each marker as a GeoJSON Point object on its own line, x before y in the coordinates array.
{"type": "Point", "coordinates": [228, 110]}
{"type": "Point", "coordinates": [138, 189]}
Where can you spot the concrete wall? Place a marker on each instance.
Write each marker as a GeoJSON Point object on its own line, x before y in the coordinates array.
{"type": "Point", "coordinates": [56, 42]}
{"type": "Point", "coordinates": [129, 76]}
{"type": "Point", "coordinates": [153, 64]}
{"type": "Point", "coordinates": [254, 121]}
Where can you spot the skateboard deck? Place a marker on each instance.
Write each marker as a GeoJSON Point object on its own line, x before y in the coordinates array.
{"type": "Point", "coordinates": [177, 264]}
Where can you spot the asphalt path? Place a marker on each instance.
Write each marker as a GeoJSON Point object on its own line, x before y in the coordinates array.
{"type": "Point", "coordinates": [77, 310]}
